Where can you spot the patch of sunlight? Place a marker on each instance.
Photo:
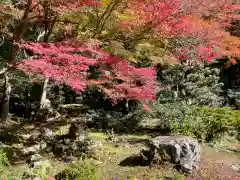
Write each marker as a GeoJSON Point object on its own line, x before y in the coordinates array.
{"type": "Point", "coordinates": [98, 135]}
{"type": "Point", "coordinates": [62, 130]}
{"type": "Point", "coordinates": [137, 137]}
{"type": "Point", "coordinates": [114, 150]}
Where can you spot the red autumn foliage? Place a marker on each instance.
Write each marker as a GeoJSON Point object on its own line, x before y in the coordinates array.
{"type": "Point", "coordinates": [65, 63]}
{"type": "Point", "coordinates": [170, 18]}
{"type": "Point", "coordinates": [118, 79]}
{"type": "Point", "coordinates": [204, 21]}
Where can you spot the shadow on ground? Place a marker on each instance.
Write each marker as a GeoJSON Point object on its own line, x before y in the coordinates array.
{"type": "Point", "coordinates": [134, 160]}
{"type": "Point", "coordinates": [18, 135]}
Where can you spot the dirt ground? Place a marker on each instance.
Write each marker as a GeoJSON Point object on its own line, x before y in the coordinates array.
{"type": "Point", "coordinates": [112, 153]}
{"type": "Point", "coordinates": [215, 164]}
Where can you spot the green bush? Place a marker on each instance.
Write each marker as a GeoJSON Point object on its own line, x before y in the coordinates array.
{"type": "Point", "coordinates": [168, 116]}
{"type": "Point", "coordinates": [7, 172]}
{"type": "Point", "coordinates": [118, 121]}
{"type": "Point", "coordinates": [204, 123]}
{"type": "Point", "coordinates": [4, 158]}
{"type": "Point", "coordinates": [216, 122]}
{"type": "Point", "coordinates": [79, 171]}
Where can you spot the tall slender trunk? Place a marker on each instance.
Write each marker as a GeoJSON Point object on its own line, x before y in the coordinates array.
{"type": "Point", "coordinates": [44, 94]}
{"type": "Point", "coordinates": [45, 106]}
{"type": "Point", "coordinates": [47, 32]}
{"type": "Point", "coordinates": [18, 32]}
{"type": "Point", "coordinates": [6, 98]}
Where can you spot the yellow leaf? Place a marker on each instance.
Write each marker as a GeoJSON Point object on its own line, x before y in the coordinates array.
{"type": "Point", "coordinates": [132, 59]}
{"type": "Point", "coordinates": [105, 3]}
{"type": "Point", "coordinates": [123, 17]}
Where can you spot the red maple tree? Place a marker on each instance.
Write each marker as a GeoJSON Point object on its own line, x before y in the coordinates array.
{"type": "Point", "coordinates": [44, 13]}
{"type": "Point", "coordinates": [66, 63]}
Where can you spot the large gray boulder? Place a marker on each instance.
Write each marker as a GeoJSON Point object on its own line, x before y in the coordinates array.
{"type": "Point", "coordinates": [180, 150]}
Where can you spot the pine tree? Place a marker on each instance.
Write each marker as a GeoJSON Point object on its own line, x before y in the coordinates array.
{"type": "Point", "coordinates": [198, 85]}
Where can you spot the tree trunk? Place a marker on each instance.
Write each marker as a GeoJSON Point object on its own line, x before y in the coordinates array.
{"type": "Point", "coordinates": [47, 32]}
{"type": "Point", "coordinates": [18, 32]}
{"type": "Point", "coordinates": [5, 99]}
{"type": "Point", "coordinates": [44, 94]}
{"type": "Point", "coordinates": [45, 105]}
